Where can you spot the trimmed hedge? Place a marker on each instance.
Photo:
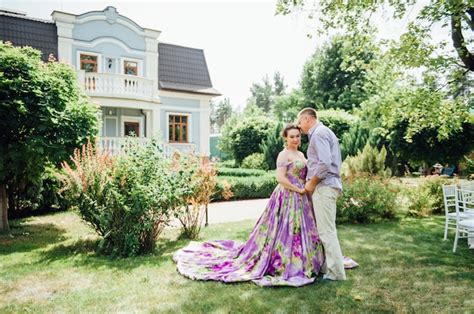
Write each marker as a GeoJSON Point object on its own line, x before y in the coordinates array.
{"type": "Point", "coordinates": [247, 187]}
{"type": "Point", "coordinates": [240, 172]}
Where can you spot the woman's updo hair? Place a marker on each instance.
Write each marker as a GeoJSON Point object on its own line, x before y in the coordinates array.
{"type": "Point", "coordinates": [288, 127]}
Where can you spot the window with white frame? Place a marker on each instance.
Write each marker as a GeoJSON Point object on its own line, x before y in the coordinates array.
{"type": "Point", "coordinates": [130, 67]}
{"type": "Point", "coordinates": [178, 128]}
{"type": "Point", "coordinates": [89, 62]}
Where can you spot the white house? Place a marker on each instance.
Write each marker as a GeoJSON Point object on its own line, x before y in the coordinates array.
{"type": "Point", "coordinates": [144, 87]}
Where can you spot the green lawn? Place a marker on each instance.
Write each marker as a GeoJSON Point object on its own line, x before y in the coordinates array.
{"type": "Point", "coordinates": [49, 265]}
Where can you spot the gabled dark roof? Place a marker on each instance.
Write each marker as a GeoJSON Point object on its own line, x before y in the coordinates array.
{"type": "Point", "coordinates": [183, 69]}
{"type": "Point", "coordinates": [180, 68]}
{"type": "Point", "coordinates": [26, 31]}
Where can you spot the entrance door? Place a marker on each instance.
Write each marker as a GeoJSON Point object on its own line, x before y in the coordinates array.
{"type": "Point", "coordinates": [131, 128]}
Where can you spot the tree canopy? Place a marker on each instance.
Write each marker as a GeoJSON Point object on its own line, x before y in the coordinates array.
{"type": "Point", "coordinates": [415, 46]}
{"type": "Point", "coordinates": [264, 94]}
{"type": "Point", "coordinates": [335, 75]}
{"type": "Point", "coordinates": [45, 116]}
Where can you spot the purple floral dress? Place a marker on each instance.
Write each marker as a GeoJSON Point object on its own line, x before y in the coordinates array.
{"type": "Point", "coordinates": [283, 249]}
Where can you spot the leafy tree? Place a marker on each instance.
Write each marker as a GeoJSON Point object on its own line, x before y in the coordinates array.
{"type": "Point", "coordinates": [335, 75]}
{"type": "Point", "coordinates": [287, 106]}
{"type": "Point", "coordinates": [338, 121]}
{"type": "Point", "coordinates": [220, 112]}
{"type": "Point", "coordinates": [243, 134]}
{"type": "Point", "coordinates": [45, 115]}
{"type": "Point", "coordinates": [264, 94]}
{"type": "Point", "coordinates": [272, 146]}
{"type": "Point", "coordinates": [418, 123]}
{"type": "Point", "coordinates": [279, 87]}
{"type": "Point", "coordinates": [414, 48]}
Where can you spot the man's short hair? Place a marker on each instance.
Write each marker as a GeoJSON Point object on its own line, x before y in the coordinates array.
{"type": "Point", "coordinates": [308, 111]}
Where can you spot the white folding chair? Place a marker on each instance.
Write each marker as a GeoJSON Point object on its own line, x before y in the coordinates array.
{"type": "Point", "coordinates": [464, 208]}
{"type": "Point", "coordinates": [449, 197]}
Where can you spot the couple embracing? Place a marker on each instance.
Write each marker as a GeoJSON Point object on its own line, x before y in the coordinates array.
{"type": "Point", "coordinates": [295, 239]}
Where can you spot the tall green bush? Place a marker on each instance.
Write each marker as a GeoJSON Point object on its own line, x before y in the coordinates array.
{"type": "Point", "coordinates": [272, 146]}
{"type": "Point", "coordinates": [339, 121]}
{"type": "Point", "coordinates": [45, 116]}
{"type": "Point", "coordinates": [354, 140]}
{"type": "Point", "coordinates": [366, 199]}
{"type": "Point", "coordinates": [128, 200]}
{"type": "Point", "coordinates": [242, 136]}
{"type": "Point", "coordinates": [255, 161]}
{"type": "Point", "coordinates": [370, 161]}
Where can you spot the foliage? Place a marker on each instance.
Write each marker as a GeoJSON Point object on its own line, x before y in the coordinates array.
{"type": "Point", "coordinates": [248, 187]}
{"type": "Point", "coordinates": [220, 112]}
{"type": "Point", "coordinates": [243, 135]}
{"type": "Point", "coordinates": [226, 164]}
{"type": "Point", "coordinates": [413, 48]}
{"type": "Point", "coordinates": [416, 120]}
{"type": "Point", "coordinates": [127, 201]}
{"type": "Point", "coordinates": [272, 146]}
{"type": "Point", "coordinates": [420, 124]}
{"type": "Point", "coordinates": [255, 161]}
{"type": "Point", "coordinates": [338, 121]}
{"type": "Point", "coordinates": [469, 166]}
{"type": "Point", "coordinates": [427, 197]}
{"type": "Point", "coordinates": [287, 106]}
{"type": "Point", "coordinates": [334, 77]}
{"type": "Point", "coordinates": [354, 139]}
{"type": "Point", "coordinates": [369, 161]}
{"type": "Point", "coordinates": [202, 180]}
{"type": "Point", "coordinates": [46, 116]}
{"type": "Point", "coordinates": [239, 172]}
{"type": "Point", "coordinates": [88, 186]}
{"type": "Point", "coordinates": [225, 144]}
{"type": "Point", "coordinates": [264, 94]}
{"type": "Point", "coordinates": [366, 199]}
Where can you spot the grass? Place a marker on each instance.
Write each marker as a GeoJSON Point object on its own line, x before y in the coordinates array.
{"type": "Point", "coordinates": [49, 265]}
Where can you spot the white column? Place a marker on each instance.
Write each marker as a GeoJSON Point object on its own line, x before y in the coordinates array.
{"type": "Point", "coordinates": [156, 125]}
{"type": "Point", "coordinates": [151, 57]}
{"type": "Point", "coordinates": [65, 49]}
{"type": "Point", "coordinates": [204, 125]}
{"type": "Point", "coordinates": [149, 123]}
{"type": "Point", "coordinates": [65, 25]}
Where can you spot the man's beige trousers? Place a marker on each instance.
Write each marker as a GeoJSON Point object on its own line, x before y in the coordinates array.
{"type": "Point", "coordinates": [324, 201]}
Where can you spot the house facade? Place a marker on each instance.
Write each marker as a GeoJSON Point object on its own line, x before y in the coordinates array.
{"type": "Point", "coordinates": [144, 87]}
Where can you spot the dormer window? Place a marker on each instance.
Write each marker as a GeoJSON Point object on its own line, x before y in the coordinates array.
{"type": "Point", "coordinates": [130, 67]}
{"type": "Point", "coordinates": [88, 62]}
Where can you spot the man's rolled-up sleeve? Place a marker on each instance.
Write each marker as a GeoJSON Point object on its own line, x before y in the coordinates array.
{"type": "Point", "coordinates": [322, 163]}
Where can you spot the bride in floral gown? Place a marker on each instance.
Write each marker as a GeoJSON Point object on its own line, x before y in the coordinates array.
{"type": "Point", "coordinates": [283, 249]}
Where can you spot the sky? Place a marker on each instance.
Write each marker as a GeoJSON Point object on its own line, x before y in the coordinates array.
{"type": "Point", "coordinates": [242, 40]}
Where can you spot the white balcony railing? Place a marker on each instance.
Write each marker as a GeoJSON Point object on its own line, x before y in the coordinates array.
{"type": "Point", "coordinates": [115, 145]}
{"type": "Point", "coordinates": [117, 85]}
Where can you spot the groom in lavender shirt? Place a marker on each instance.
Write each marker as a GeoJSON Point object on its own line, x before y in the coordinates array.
{"type": "Point", "coordinates": [323, 182]}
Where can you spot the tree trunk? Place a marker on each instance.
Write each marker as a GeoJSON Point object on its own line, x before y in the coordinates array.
{"type": "Point", "coordinates": [3, 208]}
{"type": "Point", "coordinates": [459, 43]}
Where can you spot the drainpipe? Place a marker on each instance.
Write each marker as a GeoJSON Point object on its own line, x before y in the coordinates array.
{"type": "Point", "coordinates": [144, 119]}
